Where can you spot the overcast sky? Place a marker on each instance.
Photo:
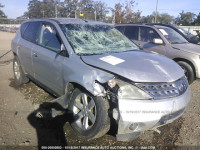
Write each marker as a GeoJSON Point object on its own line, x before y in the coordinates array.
{"type": "Point", "coordinates": [16, 8]}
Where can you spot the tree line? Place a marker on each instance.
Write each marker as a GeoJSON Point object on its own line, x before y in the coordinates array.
{"type": "Point", "coordinates": [89, 9]}
{"type": "Point", "coordinates": [2, 14]}
{"type": "Point", "coordinates": [98, 10]}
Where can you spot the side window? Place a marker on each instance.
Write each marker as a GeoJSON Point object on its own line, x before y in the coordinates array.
{"type": "Point", "coordinates": [121, 29]}
{"type": "Point", "coordinates": [131, 32]}
{"type": "Point", "coordinates": [49, 38]}
{"type": "Point", "coordinates": [23, 27]}
{"type": "Point", "coordinates": [147, 34]}
{"type": "Point", "coordinates": [31, 32]}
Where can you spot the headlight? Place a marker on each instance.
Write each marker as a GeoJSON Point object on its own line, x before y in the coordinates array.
{"type": "Point", "coordinates": [128, 91]}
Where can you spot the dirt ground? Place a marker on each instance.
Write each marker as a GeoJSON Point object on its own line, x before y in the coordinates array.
{"type": "Point", "coordinates": [21, 129]}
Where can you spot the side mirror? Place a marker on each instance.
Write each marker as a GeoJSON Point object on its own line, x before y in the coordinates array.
{"type": "Point", "coordinates": [63, 51]}
{"type": "Point", "coordinates": [62, 47]}
{"type": "Point", "coordinates": [158, 41]}
{"type": "Point", "coordinates": [140, 46]}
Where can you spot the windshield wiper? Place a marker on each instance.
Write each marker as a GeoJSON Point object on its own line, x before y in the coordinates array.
{"type": "Point", "coordinates": [175, 42]}
{"type": "Point", "coordinates": [179, 42]}
{"type": "Point", "coordinates": [89, 54]}
{"type": "Point", "coordinates": [131, 50]}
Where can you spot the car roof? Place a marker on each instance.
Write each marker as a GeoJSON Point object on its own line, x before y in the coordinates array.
{"type": "Point", "coordinates": [133, 24]}
{"type": "Point", "coordinates": [156, 25]}
{"type": "Point", "coordinates": [160, 26]}
{"type": "Point", "coordinates": [69, 21]}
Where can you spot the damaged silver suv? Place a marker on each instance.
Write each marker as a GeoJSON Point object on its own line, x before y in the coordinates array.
{"type": "Point", "coordinates": [103, 75]}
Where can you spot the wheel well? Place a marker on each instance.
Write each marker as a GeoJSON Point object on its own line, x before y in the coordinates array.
{"type": "Point", "coordinates": [73, 85]}
{"type": "Point", "coordinates": [70, 86]}
{"type": "Point", "coordinates": [187, 61]}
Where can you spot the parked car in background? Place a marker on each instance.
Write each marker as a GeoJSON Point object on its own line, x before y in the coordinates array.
{"type": "Point", "coordinates": [190, 37]}
{"type": "Point", "coordinates": [103, 75]}
{"type": "Point", "coordinates": [166, 41]}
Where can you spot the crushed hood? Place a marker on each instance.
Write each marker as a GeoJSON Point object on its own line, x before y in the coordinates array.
{"type": "Point", "coordinates": [138, 66]}
{"type": "Point", "coordinates": [189, 47]}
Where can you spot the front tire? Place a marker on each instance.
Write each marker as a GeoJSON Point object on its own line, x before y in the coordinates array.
{"type": "Point", "coordinates": [90, 114]}
{"type": "Point", "coordinates": [189, 73]}
{"type": "Point", "coordinates": [19, 76]}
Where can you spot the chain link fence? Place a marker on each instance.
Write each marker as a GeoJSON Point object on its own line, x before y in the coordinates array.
{"type": "Point", "coordinates": [10, 25]}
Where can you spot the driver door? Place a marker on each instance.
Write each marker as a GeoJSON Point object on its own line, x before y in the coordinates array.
{"type": "Point", "coordinates": [47, 63]}
{"type": "Point", "coordinates": [145, 40]}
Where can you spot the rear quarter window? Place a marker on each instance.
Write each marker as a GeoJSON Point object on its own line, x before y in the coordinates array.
{"type": "Point", "coordinates": [23, 27]}
{"type": "Point", "coordinates": [131, 32]}
{"type": "Point", "coordinates": [148, 34]}
{"type": "Point", "coordinates": [31, 31]}
{"type": "Point", "coordinates": [120, 28]}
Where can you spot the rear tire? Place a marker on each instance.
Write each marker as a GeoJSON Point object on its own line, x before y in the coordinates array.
{"type": "Point", "coordinates": [91, 110]}
{"type": "Point", "coordinates": [19, 76]}
{"type": "Point", "coordinates": [189, 73]}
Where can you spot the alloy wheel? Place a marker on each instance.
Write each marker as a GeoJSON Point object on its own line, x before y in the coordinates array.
{"type": "Point", "coordinates": [185, 71]}
{"type": "Point", "coordinates": [84, 111]}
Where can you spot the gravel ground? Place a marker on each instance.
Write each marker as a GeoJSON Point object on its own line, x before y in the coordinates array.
{"type": "Point", "coordinates": [21, 129]}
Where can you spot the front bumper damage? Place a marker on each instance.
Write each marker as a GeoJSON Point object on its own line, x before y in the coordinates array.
{"type": "Point", "coordinates": [136, 116]}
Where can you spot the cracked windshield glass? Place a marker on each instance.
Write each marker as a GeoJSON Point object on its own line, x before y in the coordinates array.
{"type": "Point", "coordinates": [96, 39]}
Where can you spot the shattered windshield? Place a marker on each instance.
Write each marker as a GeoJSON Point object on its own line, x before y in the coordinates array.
{"type": "Point", "coordinates": [90, 39]}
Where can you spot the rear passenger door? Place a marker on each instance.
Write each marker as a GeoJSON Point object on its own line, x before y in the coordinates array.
{"type": "Point", "coordinates": [29, 32]}
{"type": "Point", "coordinates": [145, 40]}
{"type": "Point", "coordinates": [47, 62]}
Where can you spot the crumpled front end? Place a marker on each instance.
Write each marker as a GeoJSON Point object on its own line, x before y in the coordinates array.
{"type": "Point", "coordinates": [137, 116]}
{"type": "Point", "coordinates": [134, 116]}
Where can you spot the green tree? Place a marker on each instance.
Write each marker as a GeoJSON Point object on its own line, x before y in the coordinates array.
{"type": "Point", "coordinates": [42, 9]}
{"type": "Point", "coordinates": [165, 18]}
{"type": "Point", "coordinates": [33, 9]}
{"type": "Point", "coordinates": [86, 7]}
{"type": "Point", "coordinates": [48, 8]}
{"type": "Point", "coordinates": [161, 18]}
{"type": "Point", "coordinates": [90, 8]}
{"type": "Point", "coordinates": [185, 18]}
{"type": "Point", "coordinates": [100, 9]}
{"type": "Point", "coordinates": [197, 20]}
{"type": "Point", "coordinates": [119, 13]}
{"type": "Point", "coordinates": [2, 14]}
{"type": "Point", "coordinates": [148, 19]}
{"type": "Point", "coordinates": [124, 12]}
{"type": "Point", "coordinates": [69, 8]}
{"type": "Point", "coordinates": [130, 15]}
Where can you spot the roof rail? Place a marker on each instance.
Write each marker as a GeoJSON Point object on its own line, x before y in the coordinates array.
{"type": "Point", "coordinates": [140, 23]}
{"type": "Point", "coordinates": [150, 24]}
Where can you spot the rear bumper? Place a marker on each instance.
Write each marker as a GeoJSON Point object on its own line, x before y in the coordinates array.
{"type": "Point", "coordinates": [136, 116]}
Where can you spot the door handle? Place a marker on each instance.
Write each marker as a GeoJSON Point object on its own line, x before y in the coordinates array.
{"type": "Point", "coordinates": [35, 54]}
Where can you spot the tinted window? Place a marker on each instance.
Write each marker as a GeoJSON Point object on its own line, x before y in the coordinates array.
{"type": "Point", "coordinates": [121, 29]}
{"type": "Point", "coordinates": [147, 34]}
{"type": "Point", "coordinates": [23, 27]}
{"type": "Point", "coordinates": [49, 38]}
{"type": "Point", "coordinates": [131, 32]}
{"type": "Point", "coordinates": [172, 36]}
{"type": "Point", "coordinates": [31, 31]}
